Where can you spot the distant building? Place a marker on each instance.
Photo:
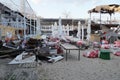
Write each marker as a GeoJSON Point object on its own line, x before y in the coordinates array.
{"type": "Point", "coordinates": [47, 23]}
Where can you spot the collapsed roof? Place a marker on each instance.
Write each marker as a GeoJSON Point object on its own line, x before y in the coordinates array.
{"type": "Point", "coordinates": [110, 9]}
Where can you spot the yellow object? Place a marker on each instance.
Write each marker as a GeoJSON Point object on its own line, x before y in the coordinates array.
{"type": "Point", "coordinates": [94, 38]}
{"type": "Point", "coordinates": [5, 29]}
{"type": "Point", "coordinates": [37, 37]}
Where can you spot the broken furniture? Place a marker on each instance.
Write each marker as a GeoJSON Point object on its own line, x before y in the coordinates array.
{"type": "Point", "coordinates": [6, 52]}
{"type": "Point", "coordinates": [69, 47]}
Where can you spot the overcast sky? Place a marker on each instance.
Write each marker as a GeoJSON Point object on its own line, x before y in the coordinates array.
{"type": "Point", "coordinates": [75, 8]}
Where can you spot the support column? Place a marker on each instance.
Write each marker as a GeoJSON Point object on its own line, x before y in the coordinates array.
{"type": "Point", "coordinates": [23, 10]}
{"type": "Point", "coordinates": [17, 24]}
{"type": "Point", "coordinates": [100, 22]}
{"type": "Point", "coordinates": [67, 30]}
{"type": "Point", "coordinates": [30, 25]}
{"type": "Point", "coordinates": [79, 30]}
{"type": "Point", "coordinates": [82, 32]}
{"type": "Point", "coordinates": [34, 27]}
{"type": "Point", "coordinates": [60, 27]}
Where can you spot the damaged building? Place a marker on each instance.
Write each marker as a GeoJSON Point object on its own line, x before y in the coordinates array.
{"type": "Point", "coordinates": [13, 22]}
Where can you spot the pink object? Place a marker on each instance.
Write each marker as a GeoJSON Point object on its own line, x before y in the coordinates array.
{"type": "Point", "coordinates": [105, 46]}
{"type": "Point", "coordinates": [117, 53]}
{"type": "Point", "coordinates": [59, 49]}
{"type": "Point", "coordinates": [79, 42]}
{"type": "Point", "coordinates": [54, 39]}
{"type": "Point", "coordinates": [104, 42]}
{"type": "Point", "coordinates": [91, 54]}
{"type": "Point", "coordinates": [117, 43]}
{"type": "Point", "coordinates": [96, 44]}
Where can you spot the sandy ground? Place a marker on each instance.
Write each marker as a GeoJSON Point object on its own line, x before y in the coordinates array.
{"type": "Point", "coordinates": [85, 69]}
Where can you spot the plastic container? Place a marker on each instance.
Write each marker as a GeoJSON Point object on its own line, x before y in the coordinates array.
{"type": "Point", "coordinates": [105, 54]}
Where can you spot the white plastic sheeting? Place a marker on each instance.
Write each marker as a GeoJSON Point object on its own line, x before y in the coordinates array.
{"type": "Point", "coordinates": [19, 59]}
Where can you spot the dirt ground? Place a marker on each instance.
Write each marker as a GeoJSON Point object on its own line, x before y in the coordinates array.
{"type": "Point", "coordinates": [85, 69]}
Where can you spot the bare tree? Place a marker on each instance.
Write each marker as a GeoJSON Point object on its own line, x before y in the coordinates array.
{"type": "Point", "coordinates": [66, 14]}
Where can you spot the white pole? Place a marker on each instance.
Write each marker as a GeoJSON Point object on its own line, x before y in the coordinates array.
{"type": "Point", "coordinates": [82, 32]}
{"type": "Point", "coordinates": [34, 25]}
{"type": "Point", "coordinates": [38, 26]}
{"type": "Point", "coordinates": [21, 23]}
{"type": "Point", "coordinates": [60, 27]}
{"type": "Point", "coordinates": [24, 27]}
{"type": "Point", "coordinates": [55, 30]}
{"type": "Point", "coordinates": [63, 27]}
{"type": "Point", "coordinates": [24, 10]}
{"type": "Point", "coordinates": [30, 25]}
{"type": "Point", "coordinates": [67, 30]}
{"type": "Point", "coordinates": [100, 22]}
{"type": "Point", "coordinates": [72, 28]}
{"type": "Point", "coordinates": [89, 29]}
{"type": "Point", "coordinates": [52, 30]}
{"type": "Point", "coordinates": [79, 30]}
{"type": "Point", "coordinates": [17, 23]}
